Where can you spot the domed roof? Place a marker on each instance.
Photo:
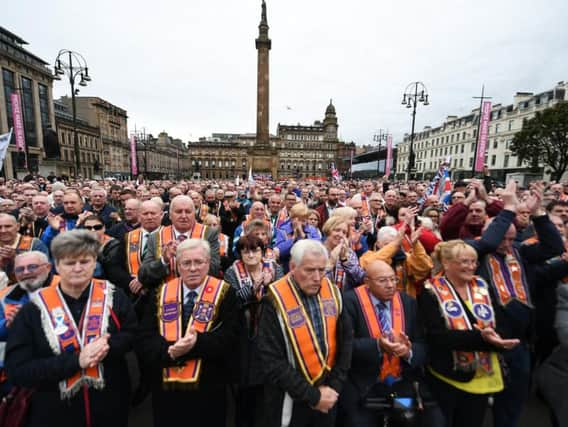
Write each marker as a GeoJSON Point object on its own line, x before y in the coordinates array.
{"type": "Point", "coordinates": [330, 108]}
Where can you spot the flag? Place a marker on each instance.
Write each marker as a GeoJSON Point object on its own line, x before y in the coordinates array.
{"type": "Point", "coordinates": [335, 173]}
{"type": "Point", "coordinates": [250, 178]}
{"type": "Point", "coordinates": [4, 142]}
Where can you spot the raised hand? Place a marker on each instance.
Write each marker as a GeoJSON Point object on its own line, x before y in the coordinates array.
{"type": "Point", "coordinates": [509, 196]}
{"type": "Point", "coordinates": [493, 338]}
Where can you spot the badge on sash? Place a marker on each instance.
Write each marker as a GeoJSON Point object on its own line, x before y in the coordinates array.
{"type": "Point", "coordinates": [134, 247]}
{"type": "Point", "coordinates": [452, 309]}
{"type": "Point", "coordinates": [59, 318]}
{"type": "Point", "coordinates": [296, 317]}
{"type": "Point", "coordinates": [203, 312]}
{"type": "Point", "coordinates": [329, 309]}
{"type": "Point", "coordinates": [482, 312]}
{"type": "Point", "coordinates": [170, 312]}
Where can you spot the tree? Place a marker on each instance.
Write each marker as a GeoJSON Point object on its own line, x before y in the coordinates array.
{"type": "Point", "coordinates": [544, 140]}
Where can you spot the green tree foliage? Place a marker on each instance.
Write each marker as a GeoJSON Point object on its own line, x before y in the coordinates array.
{"type": "Point", "coordinates": [544, 140]}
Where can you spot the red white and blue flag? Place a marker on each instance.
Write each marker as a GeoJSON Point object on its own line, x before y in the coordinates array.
{"type": "Point", "coordinates": [335, 173]}
{"type": "Point", "coordinates": [441, 184]}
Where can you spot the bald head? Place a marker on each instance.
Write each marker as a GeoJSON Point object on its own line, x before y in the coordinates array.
{"type": "Point", "coordinates": [381, 280]}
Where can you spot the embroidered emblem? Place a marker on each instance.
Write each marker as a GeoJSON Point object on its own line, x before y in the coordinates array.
{"type": "Point", "coordinates": [296, 317]}
{"type": "Point", "coordinates": [203, 312]}
{"type": "Point", "coordinates": [329, 309]}
{"type": "Point", "coordinates": [170, 312]}
{"type": "Point", "coordinates": [93, 323]}
{"type": "Point", "coordinates": [452, 309]}
{"type": "Point", "coordinates": [482, 311]}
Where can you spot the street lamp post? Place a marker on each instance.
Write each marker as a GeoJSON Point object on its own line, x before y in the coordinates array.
{"type": "Point", "coordinates": [73, 65]}
{"type": "Point", "coordinates": [414, 93]}
{"type": "Point", "coordinates": [379, 137]}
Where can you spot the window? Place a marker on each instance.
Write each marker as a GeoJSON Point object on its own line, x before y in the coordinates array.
{"type": "Point", "coordinates": [461, 162]}
{"type": "Point", "coordinates": [511, 124]}
{"type": "Point", "coordinates": [493, 160]}
{"type": "Point", "coordinates": [28, 110]}
{"type": "Point", "coordinates": [495, 143]}
{"type": "Point", "coordinates": [472, 147]}
{"type": "Point", "coordinates": [519, 162]}
{"type": "Point", "coordinates": [462, 148]}
{"type": "Point", "coordinates": [506, 161]}
{"type": "Point", "coordinates": [9, 88]}
{"type": "Point", "coordinates": [43, 105]}
{"type": "Point", "coordinates": [471, 162]}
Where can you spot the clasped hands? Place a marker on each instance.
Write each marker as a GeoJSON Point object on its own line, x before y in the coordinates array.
{"type": "Point", "coordinates": [94, 352]}
{"type": "Point", "coordinates": [328, 399]}
{"type": "Point", "coordinates": [398, 345]}
{"type": "Point", "coordinates": [183, 345]}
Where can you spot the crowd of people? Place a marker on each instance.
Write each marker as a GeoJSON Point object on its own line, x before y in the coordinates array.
{"type": "Point", "coordinates": [289, 303]}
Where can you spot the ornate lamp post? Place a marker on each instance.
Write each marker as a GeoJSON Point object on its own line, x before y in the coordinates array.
{"type": "Point", "coordinates": [73, 66]}
{"type": "Point", "coordinates": [379, 137]}
{"type": "Point", "coordinates": [414, 93]}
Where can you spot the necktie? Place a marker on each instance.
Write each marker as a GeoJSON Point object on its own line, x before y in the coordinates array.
{"type": "Point", "coordinates": [385, 319]}
{"type": "Point", "coordinates": [144, 243]}
{"type": "Point", "coordinates": [181, 238]}
{"type": "Point", "coordinates": [188, 308]}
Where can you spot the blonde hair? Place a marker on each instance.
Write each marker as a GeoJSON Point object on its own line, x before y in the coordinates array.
{"type": "Point", "coordinates": [345, 212]}
{"type": "Point", "coordinates": [332, 223]}
{"type": "Point", "coordinates": [209, 218]}
{"type": "Point", "coordinates": [449, 251]}
{"type": "Point", "coordinates": [299, 210]}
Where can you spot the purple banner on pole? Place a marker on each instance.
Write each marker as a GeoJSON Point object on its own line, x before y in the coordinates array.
{"type": "Point", "coordinates": [389, 155]}
{"type": "Point", "coordinates": [133, 159]}
{"type": "Point", "coordinates": [18, 122]}
{"type": "Point", "coordinates": [483, 136]}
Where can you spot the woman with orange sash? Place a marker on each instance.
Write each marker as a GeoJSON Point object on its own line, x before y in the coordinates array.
{"type": "Point", "coordinates": [461, 334]}
{"type": "Point", "coordinates": [69, 344]}
{"type": "Point", "coordinates": [343, 265]}
{"type": "Point", "coordinates": [250, 276]}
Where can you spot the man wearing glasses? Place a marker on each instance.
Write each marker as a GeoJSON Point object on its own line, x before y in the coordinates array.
{"type": "Point", "coordinates": [188, 335]}
{"type": "Point", "coordinates": [388, 347]}
{"type": "Point", "coordinates": [32, 271]}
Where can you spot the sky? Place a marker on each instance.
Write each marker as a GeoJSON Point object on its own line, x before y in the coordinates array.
{"type": "Point", "coordinates": [189, 67]}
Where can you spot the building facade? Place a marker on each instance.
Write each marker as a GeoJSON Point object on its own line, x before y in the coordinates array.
{"type": "Point", "coordinates": [90, 144]}
{"type": "Point", "coordinates": [163, 157]}
{"type": "Point", "coordinates": [456, 139]}
{"type": "Point", "coordinates": [113, 132]}
{"type": "Point", "coordinates": [24, 75]}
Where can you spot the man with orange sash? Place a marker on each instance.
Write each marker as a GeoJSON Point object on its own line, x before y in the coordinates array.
{"type": "Point", "coordinates": [304, 343]}
{"type": "Point", "coordinates": [13, 243]}
{"type": "Point", "coordinates": [388, 347]}
{"type": "Point", "coordinates": [509, 270]}
{"type": "Point", "coordinates": [188, 334]}
{"type": "Point", "coordinates": [158, 263]}
{"type": "Point", "coordinates": [33, 271]}
{"type": "Point", "coordinates": [136, 241]}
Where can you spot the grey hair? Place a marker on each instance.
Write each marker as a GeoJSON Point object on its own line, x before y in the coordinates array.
{"type": "Point", "coordinates": [100, 189]}
{"type": "Point", "coordinates": [43, 257]}
{"type": "Point", "coordinates": [256, 223]}
{"type": "Point", "coordinates": [386, 233]}
{"type": "Point", "coordinates": [74, 243]}
{"type": "Point", "coordinates": [179, 199]}
{"type": "Point", "coordinates": [305, 247]}
{"type": "Point", "coordinates": [194, 244]}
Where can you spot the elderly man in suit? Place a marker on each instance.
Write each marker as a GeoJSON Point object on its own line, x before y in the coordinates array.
{"type": "Point", "coordinates": [158, 263]}
{"type": "Point", "coordinates": [388, 347]}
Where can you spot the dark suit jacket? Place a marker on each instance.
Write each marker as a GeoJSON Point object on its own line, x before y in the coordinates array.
{"type": "Point", "coordinates": [213, 347]}
{"type": "Point", "coordinates": [367, 357]}
{"type": "Point", "coordinates": [153, 272]}
{"type": "Point", "coordinates": [280, 376]}
{"type": "Point", "coordinates": [442, 341]}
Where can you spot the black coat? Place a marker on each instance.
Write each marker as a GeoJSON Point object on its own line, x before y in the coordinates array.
{"type": "Point", "coordinates": [442, 341]}
{"type": "Point", "coordinates": [280, 376]}
{"type": "Point", "coordinates": [30, 362]}
{"type": "Point", "coordinates": [367, 357]}
{"type": "Point", "coordinates": [113, 261]}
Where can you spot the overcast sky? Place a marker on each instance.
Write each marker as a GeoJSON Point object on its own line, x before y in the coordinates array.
{"type": "Point", "coordinates": [189, 67]}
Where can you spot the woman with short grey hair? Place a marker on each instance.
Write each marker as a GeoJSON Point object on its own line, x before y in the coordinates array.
{"type": "Point", "coordinates": [69, 344]}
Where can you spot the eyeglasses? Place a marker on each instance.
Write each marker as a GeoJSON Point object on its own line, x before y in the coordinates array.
{"type": "Point", "coordinates": [197, 263]}
{"type": "Point", "coordinates": [467, 262]}
{"type": "Point", "coordinates": [30, 267]}
{"type": "Point", "coordinates": [97, 227]}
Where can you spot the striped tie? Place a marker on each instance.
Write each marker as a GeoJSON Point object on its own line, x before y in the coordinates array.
{"type": "Point", "coordinates": [385, 319]}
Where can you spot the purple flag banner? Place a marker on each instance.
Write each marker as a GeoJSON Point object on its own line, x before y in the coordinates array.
{"type": "Point", "coordinates": [389, 156]}
{"type": "Point", "coordinates": [483, 136]}
{"type": "Point", "coordinates": [18, 122]}
{"type": "Point", "coordinates": [133, 159]}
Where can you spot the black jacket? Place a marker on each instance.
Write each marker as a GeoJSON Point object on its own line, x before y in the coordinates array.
{"type": "Point", "coordinates": [442, 342]}
{"type": "Point", "coordinates": [113, 261]}
{"type": "Point", "coordinates": [281, 377]}
{"type": "Point", "coordinates": [30, 362]}
{"type": "Point", "coordinates": [367, 357]}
